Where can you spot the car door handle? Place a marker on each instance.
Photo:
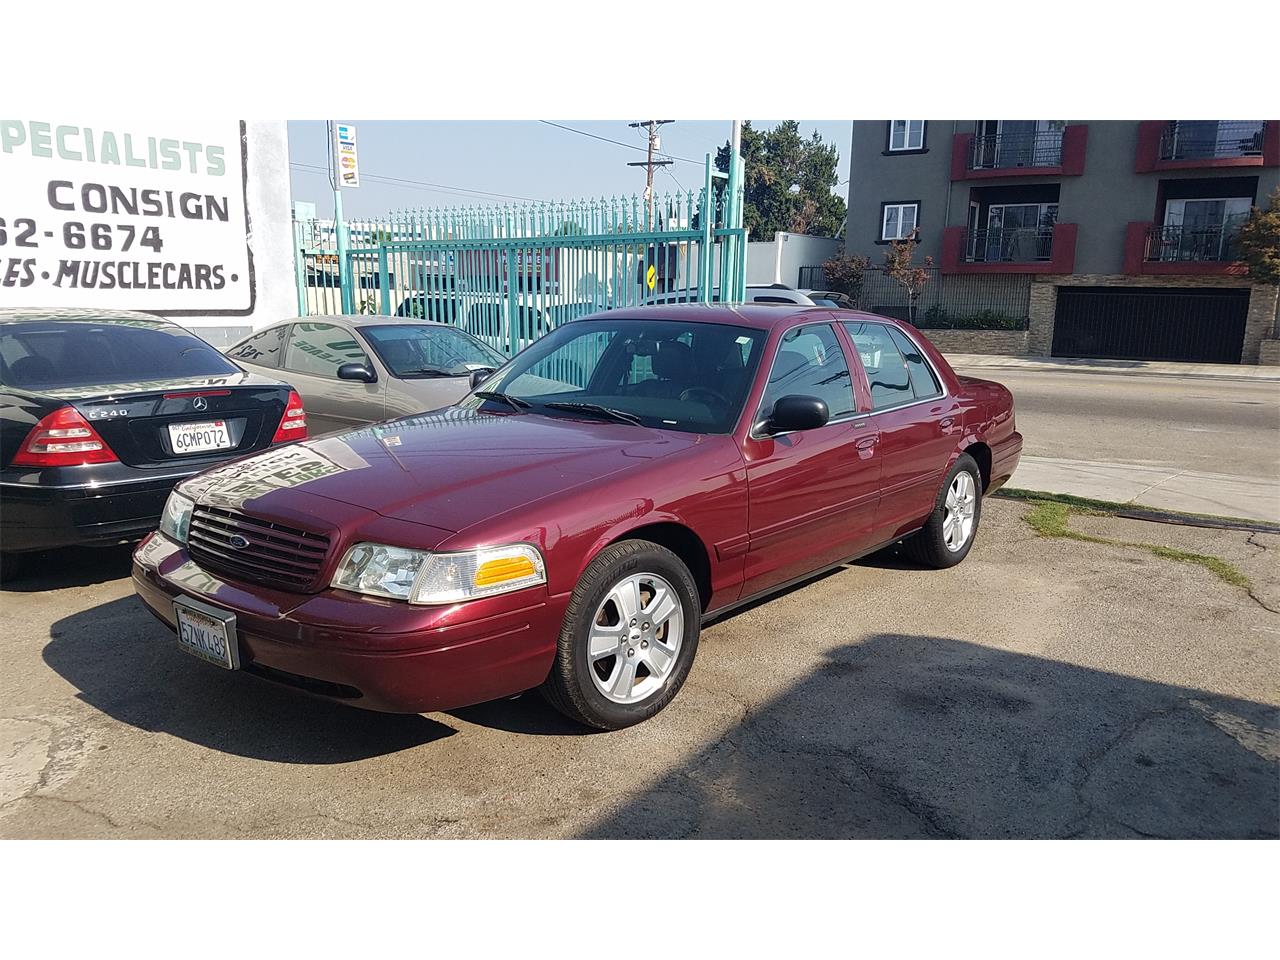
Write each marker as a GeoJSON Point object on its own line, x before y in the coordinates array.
{"type": "Point", "coordinates": [866, 443]}
{"type": "Point", "coordinates": [946, 423]}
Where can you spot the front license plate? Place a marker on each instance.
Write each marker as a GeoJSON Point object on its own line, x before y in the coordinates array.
{"type": "Point", "coordinates": [199, 437]}
{"type": "Point", "coordinates": [208, 633]}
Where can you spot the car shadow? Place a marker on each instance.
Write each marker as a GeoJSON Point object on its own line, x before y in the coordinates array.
{"type": "Point", "coordinates": [70, 567]}
{"type": "Point", "coordinates": [526, 714]}
{"type": "Point", "coordinates": [127, 664]}
{"type": "Point", "coordinates": [923, 736]}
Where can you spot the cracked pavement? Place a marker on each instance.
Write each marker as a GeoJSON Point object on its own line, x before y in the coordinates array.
{"type": "Point", "coordinates": [1043, 688]}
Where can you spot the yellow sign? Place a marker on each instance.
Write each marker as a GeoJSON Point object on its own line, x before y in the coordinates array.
{"type": "Point", "coordinates": [651, 277]}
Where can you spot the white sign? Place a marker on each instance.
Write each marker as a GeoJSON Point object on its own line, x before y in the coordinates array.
{"type": "Point", "coordinates": [120, 216]}
{"type": "Point", "coordinates": [345, 160]}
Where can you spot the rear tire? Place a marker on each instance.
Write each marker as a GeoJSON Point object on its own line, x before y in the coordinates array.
{"type": "Point", "coordinates": [630, 635]}
{"type": "Point", "coordinates": [948, 534]}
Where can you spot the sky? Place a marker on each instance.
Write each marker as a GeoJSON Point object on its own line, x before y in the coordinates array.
{"type": "Point", "coordinates": [484, 162]}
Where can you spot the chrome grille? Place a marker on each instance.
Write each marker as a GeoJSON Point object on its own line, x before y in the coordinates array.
{"type": "Point", "coordinates": [273, 553]}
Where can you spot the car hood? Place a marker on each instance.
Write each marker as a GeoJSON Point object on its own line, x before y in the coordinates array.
{"type": "Point", "coordinates": [448, 469]}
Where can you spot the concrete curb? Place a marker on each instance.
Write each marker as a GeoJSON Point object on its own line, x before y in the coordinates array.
{"type": "Point", "coordinates": [1188, 371]}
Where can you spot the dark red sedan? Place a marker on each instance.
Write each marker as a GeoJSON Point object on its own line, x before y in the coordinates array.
{"type": "Point", "coordinates": [571, 523]}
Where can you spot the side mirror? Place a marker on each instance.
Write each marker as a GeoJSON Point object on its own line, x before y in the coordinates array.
{"type": "Point", "coordinates": [794, 412]}
{"type": "Point", "coordinates": [357, 371]}
{"type": "Point", "coordinates": [480, 375]}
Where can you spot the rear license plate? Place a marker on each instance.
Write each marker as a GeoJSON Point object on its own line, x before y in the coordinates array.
{"type": "Point", "coordinates": [208, 633]}
{"type": "Point", "coordinates": [199, 437]}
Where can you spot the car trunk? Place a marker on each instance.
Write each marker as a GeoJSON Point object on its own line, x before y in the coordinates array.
{"type": "Point", "coordinates": [177, 424]}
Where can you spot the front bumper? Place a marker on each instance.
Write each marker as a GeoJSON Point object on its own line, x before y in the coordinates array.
{"type": "Point", "coordinates": [37, 517]}
{"type": "Point", "coordinates": [376, 654]}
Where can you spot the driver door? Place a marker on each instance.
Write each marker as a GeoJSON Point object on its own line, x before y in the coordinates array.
{"type": "Point", "coordinates": [311, 360]}
{"type": "Point", "coordinates": [812, 494]}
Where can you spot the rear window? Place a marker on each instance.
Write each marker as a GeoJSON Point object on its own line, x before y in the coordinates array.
{"type": "Point", "coordinates": [81, 353]}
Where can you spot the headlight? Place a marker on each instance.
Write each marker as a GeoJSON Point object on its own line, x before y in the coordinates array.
{"type": "Point", "coordinates": [176, 518]}
{"type": "Point", "coordinates": [433, 578]}
{"type": "Point", "coordinates": [379, 570]}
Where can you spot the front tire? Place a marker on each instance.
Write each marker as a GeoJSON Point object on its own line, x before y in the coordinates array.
{"type": "Point", "coordinates": [630, 635]}
{"type": "Point", "coordinates": [948, 534]}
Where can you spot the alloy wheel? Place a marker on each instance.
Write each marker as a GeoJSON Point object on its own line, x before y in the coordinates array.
{"type": "Point", "coordinates": [957, 520]}
{"type": "Point", "coordinates": [635, 638]}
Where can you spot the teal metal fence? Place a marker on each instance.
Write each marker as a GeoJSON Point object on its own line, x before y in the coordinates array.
{"type": "Point", "coordinates": [509, 274]}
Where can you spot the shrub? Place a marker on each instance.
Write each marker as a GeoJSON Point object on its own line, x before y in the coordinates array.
{"type": "Point", "coordinates": [844, 274]}
{"type": "Point", "coordinates": [1259, 241]}
{"type": "Point", "coordinates": [939, 318]}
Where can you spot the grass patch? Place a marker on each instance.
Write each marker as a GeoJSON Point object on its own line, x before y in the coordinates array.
{"type": "Point", "coordinates": [1110, 507]}
{"type": "Point", "coordinates": [1051, 518]}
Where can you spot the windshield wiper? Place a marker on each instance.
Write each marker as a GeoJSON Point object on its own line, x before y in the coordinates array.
{"type": "Point", "coordinates": [620, 415]}
{"type": "Point", "coordinates": [514, 402]}
{"type": "Point", "coordinates": [430, 372]}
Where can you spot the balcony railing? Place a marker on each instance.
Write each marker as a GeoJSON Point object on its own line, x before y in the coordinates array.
{"type": "Point", "coordinates": [1010, 245]}
{"type": "Point", "coordinates": [1229, 138]}
{"type": "Point", "coordinates": [1007, 151]}
{"type": "Point", "coordinates": [1193, 244]}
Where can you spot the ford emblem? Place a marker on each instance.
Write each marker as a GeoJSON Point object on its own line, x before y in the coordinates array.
{"type": "Point", "coordinates": [238, 541]}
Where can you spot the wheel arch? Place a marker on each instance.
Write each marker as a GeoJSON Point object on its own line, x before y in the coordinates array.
{"type": "Point", "coordinates": [683, 542]}
{"type": "Point", "coordinates": [981, 453]}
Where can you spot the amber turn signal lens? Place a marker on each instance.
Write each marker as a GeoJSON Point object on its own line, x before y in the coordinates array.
{"type": "Point", "coordinates": [503, 570]}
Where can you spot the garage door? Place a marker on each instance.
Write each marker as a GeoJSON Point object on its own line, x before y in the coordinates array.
{"type": "Point", "coordinates": [1152, 323]}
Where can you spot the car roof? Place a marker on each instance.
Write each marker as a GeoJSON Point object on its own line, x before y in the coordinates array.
{"type": "Point", "coordinates": [21, 314]}
{"type": "Point", "coordinates": [365, 320]}
{"type": "Point", "coordinates": [760, 316]}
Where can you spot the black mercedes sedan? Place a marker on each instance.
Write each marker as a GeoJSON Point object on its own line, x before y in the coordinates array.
{"type": "Point", "coordinates": [102, 412]}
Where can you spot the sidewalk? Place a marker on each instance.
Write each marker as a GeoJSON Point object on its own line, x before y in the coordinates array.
{"type": "Point", "coordinates": [1252, 498]}
{"type": "Point", "coordinates": [1140, 368]}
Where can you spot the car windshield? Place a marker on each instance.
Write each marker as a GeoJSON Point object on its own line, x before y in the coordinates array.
{"type": "Point", "coordinates": [674, 374]}
{"type": "Point", "coordinates": [421, 350]}
{"type": "Point", "coordinates": [51, 354]}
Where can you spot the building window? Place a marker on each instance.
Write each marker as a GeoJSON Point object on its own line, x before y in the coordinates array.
{"type": "Point", "coordinates": [898, 220]}
{"type": "Point", "coordinates": [906, 135]}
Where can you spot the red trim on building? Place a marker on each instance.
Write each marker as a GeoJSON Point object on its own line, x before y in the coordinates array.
{"type": "Point", "coordinates": [1147, 158]}
{"type": "Point", "coordinates": [1135, 246]}
{"type": "Point", "coordinates": [1136, 263]}
{"type": "Point", "coordinates": [1075, 138]}
{"type": "Point", "coordinates": [1062, 255]}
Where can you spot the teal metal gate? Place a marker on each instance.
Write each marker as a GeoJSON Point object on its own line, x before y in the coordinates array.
{"type": "Point", "coordinates": [509, 274]}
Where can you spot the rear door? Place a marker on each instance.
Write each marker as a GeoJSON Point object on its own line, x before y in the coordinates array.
{"type": "Point", "coordinates": [919, 425]}
{"type": "Point", "coordinates": [313, 353]}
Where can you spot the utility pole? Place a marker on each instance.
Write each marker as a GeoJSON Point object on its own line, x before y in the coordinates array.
{"type": "Point", "coordinates": [654, 144]}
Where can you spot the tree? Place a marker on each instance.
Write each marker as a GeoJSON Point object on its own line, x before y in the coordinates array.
{"type": "Point", "coordinates": [1259, 241]}
{"type": "Point", "coordinates": [787, 182]}
{"type": "Point", "coordinates": [844, 273]}
{"type": "Point", "coordinates": [899, 265]}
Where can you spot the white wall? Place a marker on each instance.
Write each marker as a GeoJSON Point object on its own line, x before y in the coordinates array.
{"type": "Point", "coordinates": [187, 219]}
{"type": "Point", "coordinates": [779, 260]}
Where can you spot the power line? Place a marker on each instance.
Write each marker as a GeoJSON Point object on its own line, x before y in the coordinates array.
{"type": "Point", "coordinates": [421, 184]}
{"type": "Point", "coordinates": [620, 143]}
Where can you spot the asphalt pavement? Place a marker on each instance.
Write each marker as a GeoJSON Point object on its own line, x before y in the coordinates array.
{"type": "Point", "coordinates": [1161, 438]}
{"type": "Point", "coordinates": [1043, 688]}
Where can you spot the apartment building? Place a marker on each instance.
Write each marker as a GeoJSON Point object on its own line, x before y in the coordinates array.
{"type": "Point", "coordinates": [1116, 238]}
